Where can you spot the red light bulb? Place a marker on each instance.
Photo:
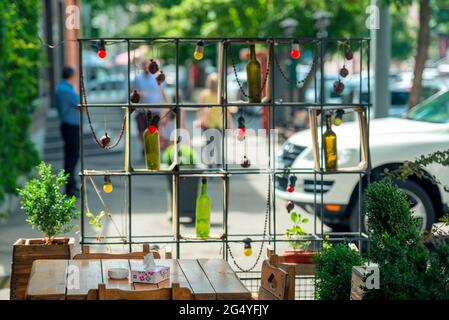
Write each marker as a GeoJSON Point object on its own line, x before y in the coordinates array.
{"type": "Point", "coordinates": [241, 134]}
{"type": "Point", "coordinates": [152, 129]}
{"type": "Point", "coordinates": [102, 53]}
{"type": "Point", "coordinates": [291, 189]}
{"type": "Point", "coordinates": [295, 53]}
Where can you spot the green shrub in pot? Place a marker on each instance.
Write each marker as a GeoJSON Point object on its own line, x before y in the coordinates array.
{"type": "Point", "coordinates": [48, 210]}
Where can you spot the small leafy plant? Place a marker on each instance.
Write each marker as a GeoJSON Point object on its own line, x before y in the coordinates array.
{"type": "Point", "coordinates": [96, 220]}
{"type": "Point", "coordinates": [296, 232]}
{"type": "Point", "coordinates": [48, 210]}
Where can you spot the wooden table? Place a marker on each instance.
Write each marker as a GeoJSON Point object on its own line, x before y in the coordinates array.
{"type": "Point", "coordinates": [207, 279]}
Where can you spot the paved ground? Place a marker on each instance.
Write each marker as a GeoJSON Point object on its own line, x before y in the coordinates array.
{"type": "Point", "coordinates": [151, 205]}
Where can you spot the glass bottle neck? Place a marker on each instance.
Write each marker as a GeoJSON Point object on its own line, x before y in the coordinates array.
{"type": "Point", "coordinates": [328, 122]}
{"type": "Point", "coordinates": [204, 187]}
{"type": "Point", "coordinates": [252, 52]}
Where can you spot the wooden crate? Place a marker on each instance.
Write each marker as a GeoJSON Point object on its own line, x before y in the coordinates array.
{"type": "Point", "coordinates": [25, 251]}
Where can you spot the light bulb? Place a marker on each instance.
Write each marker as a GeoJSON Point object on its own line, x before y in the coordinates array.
{"type": "Point", "coordinates": [247, 250]}
{"type": "Point", "coordinates": [241, 134]}
{"type": "Point", "coordinates": [337, 121]}
{"type": "Point", "coordinates": [295, 52]}
{"type": "Point", "coordinates": [152, 129]}
{"type": "Point", "coordinates": [102, 54]}
{"type": "Point", "coordinates": [199, 50]}
{"type": "Point", "coordinates": [107, 186]}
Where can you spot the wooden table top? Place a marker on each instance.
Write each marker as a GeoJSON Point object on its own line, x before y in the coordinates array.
{"type": "Point", "coordinates": [207, 279]}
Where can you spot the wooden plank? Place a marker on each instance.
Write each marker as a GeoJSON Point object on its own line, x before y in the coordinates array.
{"type": "Point", "coordinates": [200, 285]}
{"type": "Point", "coordinates": [47, 280]}
{"type": "Point", "coordinates": [107, 264]}
{"type": "Point", "coordinates": [82, 276]}
{"type": "Point", "coordinates": [224, 280]}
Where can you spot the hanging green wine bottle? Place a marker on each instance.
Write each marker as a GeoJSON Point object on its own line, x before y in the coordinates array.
{"type": "Point", "coordinates": [151, 140]}
{"type": "Point", "coordinates": [330, 146]}
{"type": "Point", "coordinates": [254, 77]}
{"type": "Point", "coordinates": [203, 205]}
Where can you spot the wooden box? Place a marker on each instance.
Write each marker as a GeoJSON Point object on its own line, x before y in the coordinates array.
{"type": "Point", "coordinates": [358, 285]}
{"type": "Point", "coordinates": [25, 251]}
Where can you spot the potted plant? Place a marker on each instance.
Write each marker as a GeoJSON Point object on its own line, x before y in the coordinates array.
{"type": "Point", "coordinates": [299, 253]}
{"type": "Point", "coordinates": [188, 187]}
{"type": "Point", "coordinates": [49, 211]}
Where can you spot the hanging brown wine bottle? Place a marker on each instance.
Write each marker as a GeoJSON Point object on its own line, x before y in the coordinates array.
{"type": "Point", "coordinates": [254, 77]}
{"type": "Point", "coordinates": [330, 145]}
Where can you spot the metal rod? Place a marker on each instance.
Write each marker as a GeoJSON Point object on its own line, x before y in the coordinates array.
{"type": "Point", "coordinates": [81, 137]}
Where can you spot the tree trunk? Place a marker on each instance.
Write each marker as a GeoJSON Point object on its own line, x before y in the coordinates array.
{"type": "Point", "coordinates": [421, 52]}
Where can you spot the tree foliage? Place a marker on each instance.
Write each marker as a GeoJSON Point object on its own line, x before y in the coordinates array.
{"type": "Point", "coordinates": [19, 65]}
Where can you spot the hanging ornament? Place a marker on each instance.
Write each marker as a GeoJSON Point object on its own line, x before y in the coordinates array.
{"type": "Point", "coordinates": [102, 54]}
{"type": "Point", "coordinates": [344, 72]}
{"type": "Point", "coordinates": [247, 250]}
{"type": "Point", "coordinates": [105, 140]}
{"type": "Point", "coordinates": [338, 86]}
{"type": "Point", "coordinates": [295, 52]}
{"type": "Point", "coordinates": [291, 186]}
{"type": "Point", "coordinates": [199, 50]}
{"type": "Point", "coordinates": [349, 54]}
{"type": "Point", "coordinates": [160, 78]}
{"type": "Point", "coordinates": [153, 67]}
{"type": "Point", "coordinates": [245, 163]}
{"type": "Point", "coordinates": [290, 206]}
{"type": "Point", "coordinates": [107, 186]}
{"type": "Point", "coordinates": [241, 133]}
{"type": "Point", "coordinates": [338, 119]}
{"type": "Point", "coordinates": [135, 97]}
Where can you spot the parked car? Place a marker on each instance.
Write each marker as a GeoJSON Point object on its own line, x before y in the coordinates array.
{"type": "Point", "coordinates": [108, 89]}
{"type": "Point", "coordinates": [423, 130]}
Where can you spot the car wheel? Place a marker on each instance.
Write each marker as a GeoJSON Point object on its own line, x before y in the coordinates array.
{"type": "Point", "coordinates": [421, 204]}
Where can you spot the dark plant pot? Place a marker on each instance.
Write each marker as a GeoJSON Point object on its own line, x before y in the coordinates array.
{"type": "Point", "coordinates": [188, 192]}
{"type": "Point", "coordinates": [299, 257]}
{"type": "Point", "coordinates": [25, 251]}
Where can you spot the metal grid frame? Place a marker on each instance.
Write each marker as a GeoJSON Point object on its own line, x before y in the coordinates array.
{"type": "Point", "coordinates": [225, 172]}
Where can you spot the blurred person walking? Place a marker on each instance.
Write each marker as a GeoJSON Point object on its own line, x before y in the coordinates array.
{"type": "Point", "coordinates": [67, 100]}
{"type": "Point", "coordinates": [211, 117]}
{"type": "Point", "coordinates": [150, 93]}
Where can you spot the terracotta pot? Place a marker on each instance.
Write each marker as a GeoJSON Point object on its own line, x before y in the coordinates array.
{"type": "Point", "coordinates": [25, 251]}
{"type": "Point", "coordinates": [299, 257]}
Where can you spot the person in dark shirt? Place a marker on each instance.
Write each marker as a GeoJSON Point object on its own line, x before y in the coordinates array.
{"type": "Point", "coordinates": [67, 100]}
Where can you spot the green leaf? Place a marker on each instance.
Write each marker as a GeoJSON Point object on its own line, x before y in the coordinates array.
{"type": "Point", "coordinates": [294, 217]}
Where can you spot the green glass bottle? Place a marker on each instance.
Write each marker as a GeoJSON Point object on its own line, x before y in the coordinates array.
{"type": "Point", "coordinates": [203, 206]}
{"type": "Point", "coordinates": [151, 141]}
{"type": "Point", "coordinates": [330, 146]}
{"type": "Point", "coordinates": [254, 77]}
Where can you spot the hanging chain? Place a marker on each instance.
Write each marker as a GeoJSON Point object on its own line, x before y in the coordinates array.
{"type": "Point", "coordinates": [94, 135]}
{"type": "Point", "coordinates": [238, 80]}
{"type": "Point", "coordinates": [267, 213]}
{"type": "Point", "coordinates": [300, 83]}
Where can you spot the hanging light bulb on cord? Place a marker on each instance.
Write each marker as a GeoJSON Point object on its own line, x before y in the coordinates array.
{"type": "Point", "coordinates": [102, 54]}
{"type": "Point", "coordinates": [247, 250]}
{"type": "Point", "coordinates": [199, 50]}
{"type": "Point", "coordinates": [295, 52]}
{"type": "Point", "coordinates": [107, 186]}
